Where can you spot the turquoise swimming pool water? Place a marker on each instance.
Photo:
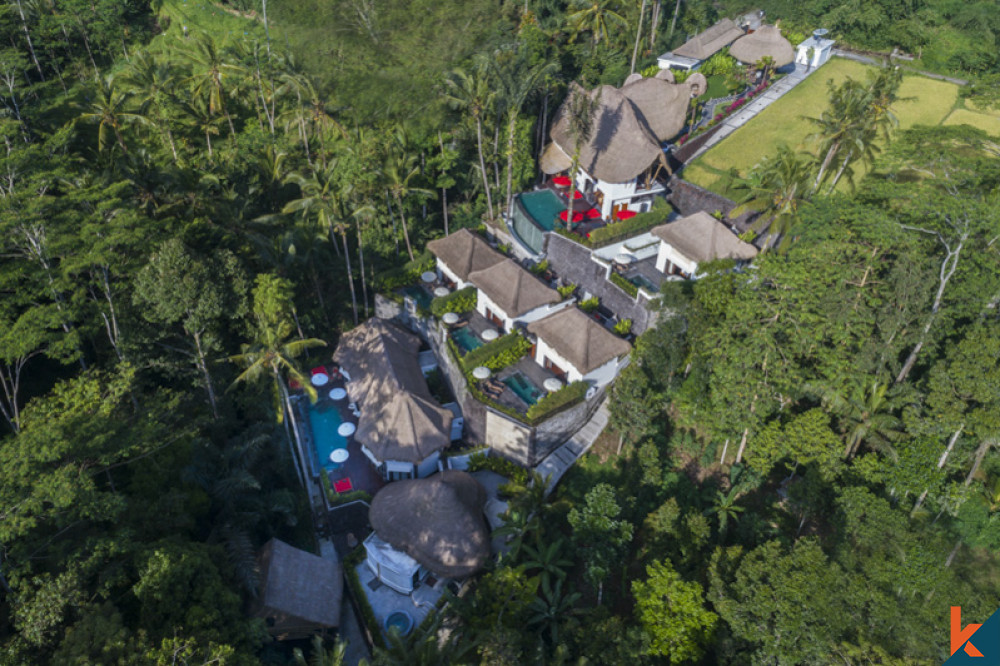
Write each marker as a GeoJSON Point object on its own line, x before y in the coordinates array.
{"type": "Point", "coordinates": [324, 419]}
{"type": "Point", "coordinates": [466, 339]}
{"type": "Point", "coordinates": [524, 389]}
{"type": "Point", "coordinates": [543, 206]}
{"type": "Point", "coordinates": [641, 281]}
{"type": "Point", "coordinates": [420, 295]}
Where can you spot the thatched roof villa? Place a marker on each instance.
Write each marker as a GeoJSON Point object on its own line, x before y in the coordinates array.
{"type": "Point", "coordinates": [694, 239]}
{"type": "Point", "coordinates": [299, 593]}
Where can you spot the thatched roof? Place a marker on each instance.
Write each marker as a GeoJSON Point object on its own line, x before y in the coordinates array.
{"type": "Point", "coordinates": [438, 521]}
{"type": "Point", "coordinates": [706, 44]}
{"type": "Point", "coordinates": [399, 418]}
{"type": "Point", "coordinates": [300, 592]}
{"type": "Point", "coordinates": [513, 289]}
{"type": "Point", "coordinates": [403, 426]}
{"type": "Point", "coordinates": [663, 105]}
{"type": "Point", "coordinates": [621, 145]}
{"type": "Point", "coordinates": [579, 339]}
{"type": "Point", "coordinates": [464, 252]}
{"type": "Point", "coordinates": [700, 237]}
{"type": "Point", "coordinates": [665, 75]}
{"type": "Point", "coordinates": [697, 84]}
{"type": "Point", "coordinates": [766, 41]}
{"type": "Point", "coordinates": [379, 352]}
{"type": "Point", "coordinates": [632, 78]}
{"type": "Point", "coordinates": [554, 160]}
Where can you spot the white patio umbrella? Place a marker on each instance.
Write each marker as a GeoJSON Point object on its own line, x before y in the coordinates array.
{"type": "Point", "coordinates": [441, 291]}
{"type": "Point", "coordinates": [338, 394]}
{"type": "Point", "coordinates": [482, 372]}
{"type": "Point", "coordinates": [339, 456]}
{"type": "Point", "coordinates": [428, 277]}
{"type": "Point", "coordinates": [552, 384]}
{"type": "Point", "coordinates": [346, 429]}
{"type": "Point", "coordinates": [450, 318]}
{"type": "Point", "coordinates": [490, 334]}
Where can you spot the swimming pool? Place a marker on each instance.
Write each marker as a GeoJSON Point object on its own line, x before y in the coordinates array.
{"type": "Point", "coordinates": [641, 281]}
{"type": "Point", "coordinates": [466, 339]}
{"type": "Point", "coordinates": [324, 419]}
{"type": "Point", "coordinates": [420, 295]}
{"type": "Point", "coordinates": [543, 206]}
{"type": "Point", "coordinates": [524, 389]}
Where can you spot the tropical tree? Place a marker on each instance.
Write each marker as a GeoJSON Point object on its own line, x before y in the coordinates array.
{"type": "Point", "coordinates": [777, 188]}
{"type": "Point", "coordinates": [547, 559]}
{"type": "Point", "coordinates": [399, 171]}
{"type": "Point", "coordinates": [154, 85]}
{"type": "Point", "coordinates": [200, 117]}
{"type": "Point", "coordinates": [473, 93]}
{"type": "Point", "coordinates": [598, 17]}
{"type": "Point", "coordinates": [271, 353]}
{"type": "Point", "coordinates": [552, 610]}
{"type": "Point", "coordinates": [319, 654]}
{"type": "Point", "coordinates": [209, 68]}
{"type": "Point", "coordinates": [111, 110]}
{"type": "Point", "coordinates": [866, 417]}
{"type": "Point", "coordinates": [673, 614]}
{"type": "Point", "coordinates": [580, 107]}
{"type": "Point", "coordinates": [324, 196]}
{"type": "Point", "coordinates": [726, 509]}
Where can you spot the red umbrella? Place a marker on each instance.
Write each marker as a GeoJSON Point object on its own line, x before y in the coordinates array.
{"type": "Point", "coordinates": [625, 214]}
{"type": "Point", "coordinates": [593, 214]}
{"type": "Point", "coordinates": [577, 217]}
{"type": "Point", "coordinates": [561, 181]}
{"type": "Point", "coordinates": [578, 194]}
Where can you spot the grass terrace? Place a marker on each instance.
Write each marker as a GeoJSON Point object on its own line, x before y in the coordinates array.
{"type": "Point", "coordinates": [928, 102]}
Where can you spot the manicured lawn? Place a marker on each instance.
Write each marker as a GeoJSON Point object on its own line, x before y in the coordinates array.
{"type": "Point", "coordinates": [785, 123]}
{"type": "Point", "coordinates": [716, 87]}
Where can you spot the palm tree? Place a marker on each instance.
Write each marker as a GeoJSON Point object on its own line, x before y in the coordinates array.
{"type": "Point", "coordinates": [271, 354]}
{"type": "Point", "coordinates": [202, 119]}
{"type": "Point", "coordinates": [726, 509]}
{"type": "Point", "coordinates": [209, 68]}
{"type": "Point", "coordinates": [638, 36]}
{"type": "Point", "coordinates": [473, 93]}
{"type": "Point", "coordinates": [776, 188]}
{"type": "Point", "coordinates": [323, 196]}
{"type": "Point", "coordinates": [552, 610]}
{"type": "Point", "coordinates": [399, 170]}
{"type": "Point", "coordinates": [111, 111]}
{"type": "Point", "coordinates": [154, 83]}
{"type": "Point", "coordinates": [581, 107]}
{"type": "Point", "coordinates": [547, 559]}
{"type": "Point", "coordinates": [865, 417]}
{"type": "Point", "coordinates": [319, 655]}
{"type": "Point", "coordinates": [518, 81]}
{"type": "Point", "coordinates": [517, 525]}
{"type": "Point", "coordinates": [596, 17]}
{"type": "Point", "coordinates": [845, 109]}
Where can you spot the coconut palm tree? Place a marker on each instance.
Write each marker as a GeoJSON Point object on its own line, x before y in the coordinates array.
{"type": "Point", "coordinates": [201, 118]}
{"type": "Point", "coordinates": [547, 559]}
{"type": "Point", "coordinates": [271, 354]}
{"type": "Point", "coordinates": [209, 68]}
{"type": "Point", "coordinates": [399, 171]}
{"type": "Point", "coordinates": [111, 110]}
{"type": "Point", "coordinates": [473, 93]}
{"type": "Point", "coordinates": [323, 196]}
{"type": "Point", "coordinates": [581, 107]}
{"type": "Point", "coordinates": [153, 83]}
{"type": "Point", "coordinates": [320, 655]}
{"type": "Point", "coordinates": [552, 610]}
{"type": "Point", "coordinates": [726, 509]}
{"type": "Point", "coordinates": [777, 188]}
{"type": "Point", "coordinates": [597, 17]}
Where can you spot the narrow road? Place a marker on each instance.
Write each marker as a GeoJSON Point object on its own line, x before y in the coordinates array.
{"type": "Point", "coordinates": [868, 60]}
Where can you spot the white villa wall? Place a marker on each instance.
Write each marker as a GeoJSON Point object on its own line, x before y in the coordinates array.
{"type": "Point", "coordinates": [668, 253]}
{"type": "Point", "coordinates": [443, 270]}
{"type": "Point", "coordinates": [423, 469]}
{"type": "Point", "coordinates": [597, 377]}
{"type": "Point", "coordinates": [429, 465]}
{"type": "Point", "coordinates": [483, 301]}
{"type": "Point", "coordinates": [822, 50]}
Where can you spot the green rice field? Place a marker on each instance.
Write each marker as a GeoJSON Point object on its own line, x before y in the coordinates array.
{"type": "Point", "coordinates": [927, 102]}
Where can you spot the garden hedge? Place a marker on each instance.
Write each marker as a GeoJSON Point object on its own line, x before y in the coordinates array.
{"type": "Point", "coordinates": [497, 355]}
{"type": "Point", "coordinates": [626, 286]}
{"type": "Point", "coordinates": [555, 402]}
{"type": "Point", "coordinates": [459, 302]}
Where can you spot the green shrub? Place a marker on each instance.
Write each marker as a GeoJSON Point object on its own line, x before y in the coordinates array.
{"type": "Point", "coordinates": [566, 290]}
{"type": "Point", "coordinates": [618, 231]}
{"type": "Point", "coordinates": [505, 468]}
{"type": "Point", "coordinates": [540, 267]}
{"type": "Point", "coordinates": [555, 402]}
{"type": "Point", "coordinates": [626, 286]}
{"type": "Point", "coordinates": [353, 559]}
{"type": "Point", "coordinates": [404, 275]}
{"type": "Point", "coordinates": [720, 63]}
{"type": "Point", "coordinates": [459, 302]}
{"type": "Point", "coordinates": [623, 327]}
{"type": "Point", "coordinates": [352, 496]}
{"type": "Point", "coordinates": [497, 355]}
{"type": "Point", "coordinates": [590, 305]}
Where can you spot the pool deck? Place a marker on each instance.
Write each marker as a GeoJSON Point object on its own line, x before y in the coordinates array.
{"type": "Point", "coordinates": [384, 600]}
{"type": "Point", "coordinates": [535, 374]}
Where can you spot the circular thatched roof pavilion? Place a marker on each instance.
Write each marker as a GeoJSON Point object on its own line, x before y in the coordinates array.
{"type": "Point", "coordinates": [438, 521]}
{"type": "Point", "coordinates": [765, 41]}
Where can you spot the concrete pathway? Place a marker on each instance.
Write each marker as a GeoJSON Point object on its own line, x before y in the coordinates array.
{"type": "Point", "coordinates": [878, 61]}
{"type": "Point", "coordinates": [740, 118]}
{"type": "Point", "coordinates": [560, 460]}
{"type": "Point", "coordinates": [350, 629]}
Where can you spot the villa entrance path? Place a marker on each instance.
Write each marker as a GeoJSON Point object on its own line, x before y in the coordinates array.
{"type": "Point", "coordinates": [560, 460]}
{"type": "Point", "coordinates": [740, 118]}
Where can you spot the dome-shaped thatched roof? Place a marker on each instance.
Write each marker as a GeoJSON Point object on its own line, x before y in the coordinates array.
{"type": "Point", "coordinates": [632, 78]}
{"type": "Point", "coordinates": [438, 521]}
{"type": "Point", "coordinates": [665, 75]}
{"type": "Point", "coordinates": [765, 41]}
{"type": "Point", "coordinates": [697, 84]}
{"type": "Point", "coordinates": [663, 105]}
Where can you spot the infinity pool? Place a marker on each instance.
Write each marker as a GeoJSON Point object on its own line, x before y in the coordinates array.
{"type": "Point", "coordinates": [524, 389]}
{"type": "Point", "coordinates": [324, 419]}
{"type": "Point", "coordinates": [420, 295]}
{"type": "Point", "coordinates": [466, 339]}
